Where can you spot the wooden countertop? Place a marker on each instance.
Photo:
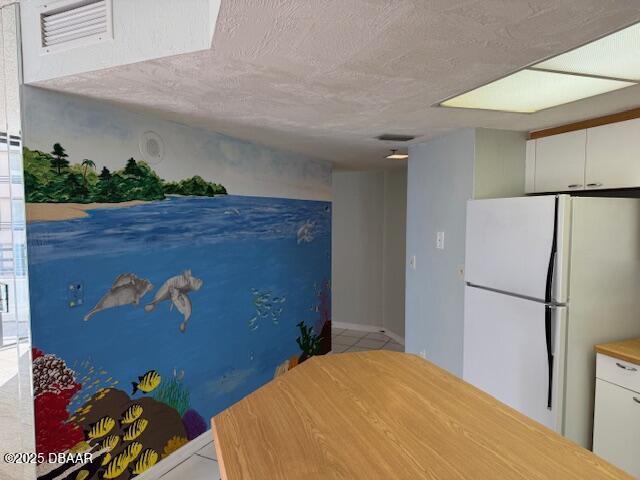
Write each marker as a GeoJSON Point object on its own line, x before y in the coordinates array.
{"type": "Point", "coordinates": [627, 350]}
{"type": "Point", "coordinates": [388, 415]}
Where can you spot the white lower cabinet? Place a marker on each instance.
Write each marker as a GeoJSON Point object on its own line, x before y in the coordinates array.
{"type": "Point", "coordinates": [616, 428]}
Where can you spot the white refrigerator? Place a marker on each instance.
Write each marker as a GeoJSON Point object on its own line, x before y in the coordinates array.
{"type": "Point", "coordinates": [547, 278]}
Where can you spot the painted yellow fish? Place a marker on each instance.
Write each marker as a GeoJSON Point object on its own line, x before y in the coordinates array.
{"type": "Point", "coordinates": [135, 430]}
{"type": "Point", "coordinates": [82, 474]}
{"type": "Point", "coordinates": [116, 467]}
{"type": "Point", "coordinates": [106, 459]}
{"type": "Point", "coordinates": [101, 428]}
{"type": "Point", "coordinates": [132, 451]}
{"type": "Point", "coordinates": [147, 460]}
{"type": "Point", "coordinates": [109, 443]}
{"type": "Point", "coordinates": [79, 447]}
{"type": "Point", "coordinates": [131, 414]}
{"type": "Point", "coordinates": [147, 382]}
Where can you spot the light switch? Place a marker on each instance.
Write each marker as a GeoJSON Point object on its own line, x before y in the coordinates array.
{"type": "Point", "coordinates": [440, 240]}
{"type": "Point", "coordinates": [412, 262]}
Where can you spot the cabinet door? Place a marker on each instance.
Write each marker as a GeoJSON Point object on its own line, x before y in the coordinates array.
{"type": "Point", "coordinates": [560, 162]}
{"type": "Point", "coordinates": [616, 429]}
{"type": "Point", "coordinates": [613, 155]}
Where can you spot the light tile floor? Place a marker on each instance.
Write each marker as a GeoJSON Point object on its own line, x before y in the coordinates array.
{"type": "Point", "coordinates": [203, 465]}
{"type": "Point", "coordinates": [344, 340]}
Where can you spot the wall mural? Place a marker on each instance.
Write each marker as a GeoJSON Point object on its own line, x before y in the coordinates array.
{"type": "Point", "coordinates": [158, 303]}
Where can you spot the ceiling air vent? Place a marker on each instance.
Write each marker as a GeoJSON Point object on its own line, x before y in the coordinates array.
{"type": "Point", "coordinates": [390, 137]}
{"type": "Point", "coordinates": [70, 24]}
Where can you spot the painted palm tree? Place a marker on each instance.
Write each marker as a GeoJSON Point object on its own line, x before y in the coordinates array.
{"type": "Point", "coordinates": [59, 160]}
{"type": "Point", "coordinates": [87, 164]}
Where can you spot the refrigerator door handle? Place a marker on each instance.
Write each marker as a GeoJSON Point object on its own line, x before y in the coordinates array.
{"type": "Point", "coordinates": [549, 299]}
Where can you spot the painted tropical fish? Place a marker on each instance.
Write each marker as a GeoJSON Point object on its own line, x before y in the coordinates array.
{"type": "Point", "coordinates": [109, 443]}
{"type": "Point", "coordinates": [135, 430]}
{"type": "Point", "coordinates": [147, 382]}
{"type": "Point", "coordinates": [82, 475]}
{"type": "Point", "coordinates": [127, 289]}
{"type": "Point", "coordinates": [132, 451]}
{"type": "Point", "coordinates": [147, 460]}
{"type": "Point", "coordinates": [176, 289]}
{"type": "Point", "coordinates": [101, 428]}
{"type": "Point", "coordinates": [116, 467]}
{"type": "Point", "coordinates": [131, 414]}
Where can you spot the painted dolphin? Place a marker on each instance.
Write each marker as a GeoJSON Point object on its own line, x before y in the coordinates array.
{"type": "Point", "coordinates": [176, 290]}
{"type": "Point", "coordinates": [127, 289]}
{"type": "Point", "coordinates": [182, 302]}
{"type": "Point", "coordinates": [305, 232]}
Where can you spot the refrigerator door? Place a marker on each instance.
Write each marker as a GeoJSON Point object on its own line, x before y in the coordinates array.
{"type": "Point", "coordinates": [516, 245]}
{"type": "Point", "coordinates": [505, 353]}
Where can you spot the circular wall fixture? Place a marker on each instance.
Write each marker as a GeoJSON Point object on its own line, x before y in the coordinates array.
{"type": "Point", "coordinates": [151, 147]}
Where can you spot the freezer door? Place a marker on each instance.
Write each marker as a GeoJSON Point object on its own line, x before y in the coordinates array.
{"type": "Point", "coordinates": [510, 244]}
{"type": "Point", "coordinates": [505, 353]}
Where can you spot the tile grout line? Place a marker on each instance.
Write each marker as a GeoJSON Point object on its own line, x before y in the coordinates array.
{"type": "Point", "coordinates": [205, 457]}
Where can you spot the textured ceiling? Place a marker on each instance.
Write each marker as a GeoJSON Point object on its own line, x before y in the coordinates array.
{"type": "Point", "coordinates": [323, 77]}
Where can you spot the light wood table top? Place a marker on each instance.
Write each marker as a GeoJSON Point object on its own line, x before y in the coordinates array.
{"type": "Point", "coordinates": [627, 350]}
{"type": "Point", "coordinates": [388, 415]}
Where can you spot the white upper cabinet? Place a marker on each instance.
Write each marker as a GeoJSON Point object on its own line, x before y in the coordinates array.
{"type": "Point", "coordinates": [613, 155]}
{"type": "Point", "coordinates": [559, 164]}
{"type": "Point", "coordinates": [596, 158]}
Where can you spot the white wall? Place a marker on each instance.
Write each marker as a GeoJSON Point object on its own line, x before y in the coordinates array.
{"type": "Point", "coordinates": [368, 236]}
{"type": "Point", "coordinates": [498, 171]}
{"type": "Point", "coordinates": [440, 181]}
{"type": "Point", "coordinates": [394, 244]}
{"type": "Point", "coordinates": [443, 174]}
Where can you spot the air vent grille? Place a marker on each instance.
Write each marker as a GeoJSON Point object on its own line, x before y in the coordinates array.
{"type": "Point", "coordinates": [76, 23]}
{"type": "Point", "coordinates": [392, 137]}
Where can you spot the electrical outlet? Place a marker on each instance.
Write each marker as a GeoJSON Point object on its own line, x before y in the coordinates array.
{"type": "Point", "coordinates": [440, 240]}
{"type": "Point", "coordinates": [423, 353]}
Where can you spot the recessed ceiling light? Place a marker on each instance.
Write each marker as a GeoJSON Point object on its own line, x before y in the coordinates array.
{"type": "Point", "coordinates": [397, 156]}
{"type": "Point", "coordinates": [613, 56]}
{"type": "Point", "coordinates": [528, 91]}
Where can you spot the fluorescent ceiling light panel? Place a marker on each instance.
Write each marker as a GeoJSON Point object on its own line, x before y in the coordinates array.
{"type": "Point", "coordinates": [528, 91]}
{"type": "Point", "coordinates": [614, 56]}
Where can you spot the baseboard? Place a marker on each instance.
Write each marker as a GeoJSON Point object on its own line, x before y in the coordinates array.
{"type": "Point", "coordinates": [369, 328]}
{"type": "Point", "coordinates": [177, 457]}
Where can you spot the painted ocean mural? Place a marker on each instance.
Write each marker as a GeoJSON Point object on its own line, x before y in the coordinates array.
{"type": "Point", "coordinates": [153, 316]}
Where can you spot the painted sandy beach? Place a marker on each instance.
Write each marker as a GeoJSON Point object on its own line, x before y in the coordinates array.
{"type": "Point", "coordinates": [49, 212]}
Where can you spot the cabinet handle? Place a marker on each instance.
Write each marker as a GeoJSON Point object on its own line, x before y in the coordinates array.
{"type": "Point", "coordinates": [594, 184]}
{"type": "Point", "coordinates": [625, 367]}
{"type": "Point", "coordinates": [574, 185]}
{"type": "Point", "coordinates": [636, 399]}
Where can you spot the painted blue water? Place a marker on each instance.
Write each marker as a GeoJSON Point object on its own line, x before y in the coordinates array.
{"type": "Point", "coordinates": [236, 245]}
